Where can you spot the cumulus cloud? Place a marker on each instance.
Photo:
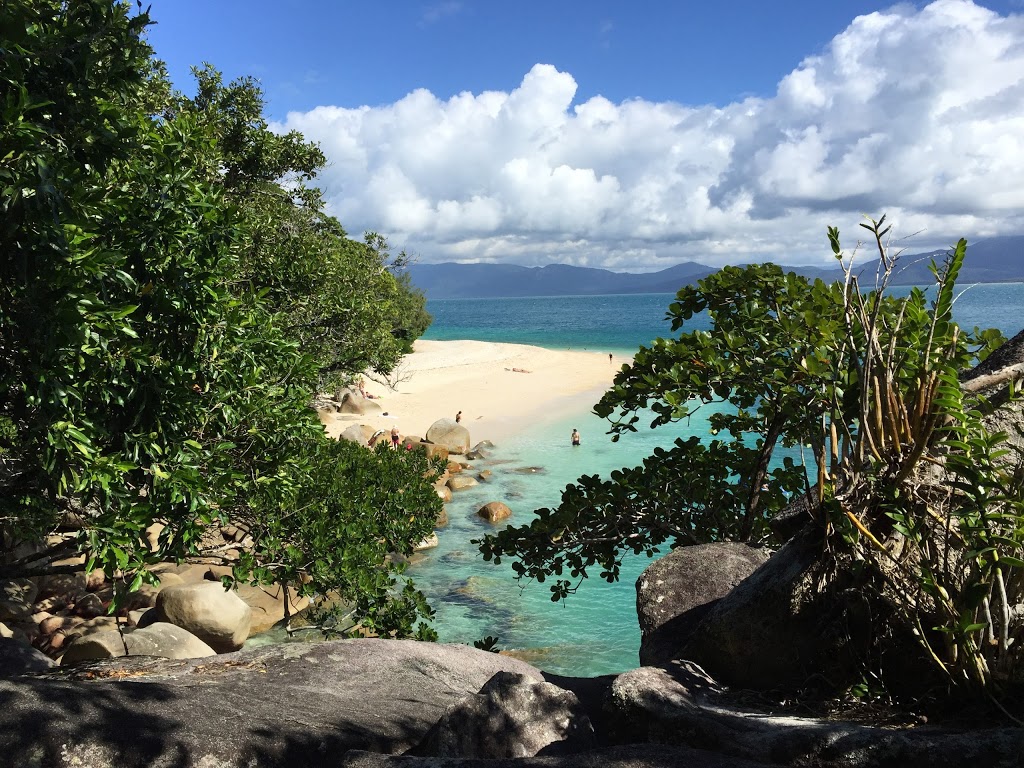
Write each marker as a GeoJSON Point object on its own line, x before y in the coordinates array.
{"type": "Point", "coordinates": [914, 112]}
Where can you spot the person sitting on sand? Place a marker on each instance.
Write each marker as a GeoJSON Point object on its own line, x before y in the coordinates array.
{"type": "Point", "coordinates": [395, 437]}
{"type": "Point", "coordinates": [575, 436]}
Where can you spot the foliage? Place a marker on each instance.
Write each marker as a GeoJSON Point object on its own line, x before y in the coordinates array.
{"type": "Point", "coordinates": [906, 476]}
{"type": "Point", "coordinates": [347, 301]}
{"type": "Point", "coordinates": [154, 366]}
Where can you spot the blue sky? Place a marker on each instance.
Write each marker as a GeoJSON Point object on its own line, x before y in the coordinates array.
{"type": "Point", "coordinates": [634, 136]}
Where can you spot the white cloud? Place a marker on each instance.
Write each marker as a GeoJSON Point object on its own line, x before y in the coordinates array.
{"type": "Point", "coordinates": [918, 113]}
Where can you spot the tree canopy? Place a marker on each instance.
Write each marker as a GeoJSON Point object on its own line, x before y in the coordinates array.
{"type": "Point", "coordinates": [171, 296]}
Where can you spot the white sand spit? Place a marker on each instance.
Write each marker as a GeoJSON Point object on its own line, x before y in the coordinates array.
{"type": "Point", "coordinates": [501, 389]}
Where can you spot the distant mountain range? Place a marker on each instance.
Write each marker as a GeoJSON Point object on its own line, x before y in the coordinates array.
{"type": "Point", "coordinates": [996, 260]}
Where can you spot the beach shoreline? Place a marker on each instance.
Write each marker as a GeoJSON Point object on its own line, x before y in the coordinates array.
{"type": "Point", "coordinates": [501, 389]}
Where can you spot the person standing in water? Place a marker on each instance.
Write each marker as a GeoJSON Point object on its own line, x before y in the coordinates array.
{"type": "Point", "coordinates": [575, 436]}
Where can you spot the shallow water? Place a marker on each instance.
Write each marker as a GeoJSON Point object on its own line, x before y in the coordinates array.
{"type": "Point", "coordinates": [594, 631]}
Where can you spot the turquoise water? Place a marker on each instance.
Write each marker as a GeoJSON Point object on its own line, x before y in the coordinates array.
{"type": "Point", "coordinates": [594, 631]}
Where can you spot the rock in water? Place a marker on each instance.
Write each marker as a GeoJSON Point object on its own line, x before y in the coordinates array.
{"type": "Point", "coordinates": [494, 511]}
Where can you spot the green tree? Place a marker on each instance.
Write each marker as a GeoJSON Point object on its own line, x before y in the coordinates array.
{"type": "Point", "coordinates": [868, 387]}
{"type": "Point", "coordinates": [152, 363]}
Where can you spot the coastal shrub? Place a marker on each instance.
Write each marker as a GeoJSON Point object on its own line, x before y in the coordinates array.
{"type": "Point", "coordinates": [167, 284]}
{"type": "Point", "coordinates": [906, 485]}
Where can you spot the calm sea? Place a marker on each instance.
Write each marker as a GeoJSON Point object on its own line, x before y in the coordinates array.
{"type": "Point", "coordinates": [594, 631]}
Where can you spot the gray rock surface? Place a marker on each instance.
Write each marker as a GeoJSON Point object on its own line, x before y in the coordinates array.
{"type": "Point", "coordinates": [18, 658]}
{"type": "Point", "coordinates": [449, 434]}
{"type": "Point", "coordinates": [631, 756]}
{"type": "Point", "coordinates": [512, 716]}
{"type": "Point", "coordinates": [217, 616]}
{"type": "Point", "coordinates": [157, 639]}
{"type": "Point", "coordinates": [678, 704]}
{"type": "Point", "coordinates": [674, 593]}
{"type": "Point", "coordinates": [293, 704]}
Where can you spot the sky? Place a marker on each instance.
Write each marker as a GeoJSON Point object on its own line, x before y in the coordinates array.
{"type": "Point", "coordinates": [634, 136]}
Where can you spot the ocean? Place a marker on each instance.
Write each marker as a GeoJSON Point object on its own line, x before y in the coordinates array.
{"type": "Point", "coordinates": [594, 631]}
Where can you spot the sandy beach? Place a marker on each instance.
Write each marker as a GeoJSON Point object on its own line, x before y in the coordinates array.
{"type": "Point", "coordinates": [501, 389]}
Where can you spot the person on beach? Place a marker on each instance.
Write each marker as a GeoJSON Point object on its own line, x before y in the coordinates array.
{"type": "Point", "coordinates": [609, 357]}
{"type": "Point", "coordinates": [394, 437]}
{"type": "Point", "coordinates": [575, 436]}
{"type": "Point", "coordinates": [458, 417]}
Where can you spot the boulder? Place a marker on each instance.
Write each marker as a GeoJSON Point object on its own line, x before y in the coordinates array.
{"type": "Point", "coordinates": [267, 604]}
{"type": "Point", "coordinates": [678, 704]}
{"type": "Point", "coordinates": [18, 658]}
{"type": "Point", "coordinates": [358, 433]}
{"type": "Point", "coordinates": [484, 475]}
{"type": "Point", "coordinates": [494, 511]}
{"type": "Point", "coordinates": [351, 401]}
{"type": "Point", "coordinates": [443, 491]}
{"type": "Point", "coordinates": [16, 599]}
{"type": "Point", "coordinates": [286, 704]}
{"type": "Point", "coordinates": [453, 467]}
{"type": "Point", "coordinates": [674, 593]}
{"type": "Point", "coordinates": [449, 434]}
{"type": "Point", "coordinates": [428, 543]}
{"type": "Point", "coordinates": [442, 518]}
{"type": "Point", "coordinates": [64, 583]}
{"type": "Point", "coordinates": [512, 716]}
{"type": "Point", "coordinates": [216, 616]}
{"type": "Point", "coordinates": [434, 451]}
{"type": "Point", "coordinates": [159, 639]}
{"type": "Point", "coordinates": [461, 482]}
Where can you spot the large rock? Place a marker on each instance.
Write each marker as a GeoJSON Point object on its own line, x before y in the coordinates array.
{"type": "Point", "coordinates": [16, 599]}
{"type": "Point", "coordinates": [216, 616]}
{"type": "Point", "coordinates": [679, 704]}
{"type": "Point", "coordinates": [461, 482]}
{"type": "Point", "coordinates": [494, 511]}
{"type": "Point", "coordinates": [512, 716]}
{"type": "Point", "coordinates": [351, 401]}
{"type": "Point", "coordinates": [450, 434]}
{"type": "Point", "coordinates": [358, 433]}
{"type": "Point", "coordinates": [630, 756]}
{"type": "Point", "coordinates": [674, 593]}
{"type": "Point", "coordinates": [293, 704]}
{"type": "Point", "coordinates": [18, 658]}
{"type": "Point", "coordinates": [267, 604]}
{"type": "Point", "coordinates": [160, 639]}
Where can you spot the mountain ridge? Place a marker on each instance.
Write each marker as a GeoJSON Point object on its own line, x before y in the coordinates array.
{"type": "Point", "coordinates": [993, 260]}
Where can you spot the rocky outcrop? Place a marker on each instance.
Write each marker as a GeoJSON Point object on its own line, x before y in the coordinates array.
{"type": "Point", "coordinates": [512, 716]}
{"type": "Point", "coordinates": [494, 511]}
{"type": "Point", "coordinates": [676, 592]}
{"type": "Point", "coordinates": [679, 704]}
{"type": "Point", "coordinates": [215, 615]}
{"type": "Point", "coordinates": [290, 704]}
{"type": "Point", "coordinates": [449, 434]}
{"type": "Point", "coordinates": [631, 756]}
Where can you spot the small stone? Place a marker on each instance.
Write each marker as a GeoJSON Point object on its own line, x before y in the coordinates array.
{"type": "Point", "coordinates": [428, 543]}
